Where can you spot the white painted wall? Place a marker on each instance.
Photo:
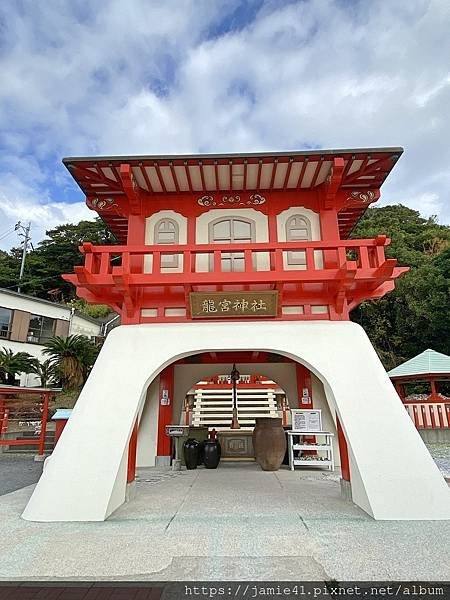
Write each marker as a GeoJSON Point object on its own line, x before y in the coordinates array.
{"type": "Point", "coordinates": [314, 219]}
{"type": "Point", "coordinates": [26, 379]}
{"type": "Point", "coordinates": [393, 474]}
{"type": "Point", "coordinates": [27, 304]}
{"type": "Point", "coordinates": [78, 326]}
{"type": "Point", "coordinates": [150, 223]}
{"type": "Point", "coordinates": [320, 401]}
{"type": "Point", "coordinates": [81, 326]}
{"type": "Point", "coordinates": [148, 427]}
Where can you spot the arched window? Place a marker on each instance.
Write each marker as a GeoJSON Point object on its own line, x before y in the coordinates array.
{"type": "Point", "coordinates": [232, 230]}
{"type": "Point", "coordinates": [298, 229]}
{"type": "Point", "coordinates": [167, 232]}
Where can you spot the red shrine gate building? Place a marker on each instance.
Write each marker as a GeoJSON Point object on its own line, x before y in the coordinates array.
{"type": "Point", "coordinates": [246, 259]}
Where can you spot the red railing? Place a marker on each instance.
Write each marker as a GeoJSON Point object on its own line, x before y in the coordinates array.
{"type": "Point", "coordinates": [429, 415]}
{"type": "Point", "coordinates": [261, 262]}
{"type": "Point", "coordinates": [31, 412]}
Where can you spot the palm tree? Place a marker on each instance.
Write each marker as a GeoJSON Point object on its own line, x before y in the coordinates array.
{"type": "Point", "coordinates": [73, 357]}
{"type": "Point", "coordinates": [46, 371]}
{"type": "Point", "coordinates": [13, 363]}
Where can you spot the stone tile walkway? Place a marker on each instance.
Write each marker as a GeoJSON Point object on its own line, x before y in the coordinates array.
{"type": "Point", "coordinates": [236, 522]}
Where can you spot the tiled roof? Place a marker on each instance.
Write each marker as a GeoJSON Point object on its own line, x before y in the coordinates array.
{"type": "Point", "coordinates": [428, 362]}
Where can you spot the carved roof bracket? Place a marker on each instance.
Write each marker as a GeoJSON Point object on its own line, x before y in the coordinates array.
{"type": "Point", "coordinates": [131, 189]}
{"type": "Point", "coordinates": [331, 185]}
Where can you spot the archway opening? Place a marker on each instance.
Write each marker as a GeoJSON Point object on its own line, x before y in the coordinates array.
{"type": "Point", "coordinates": [196, 392]}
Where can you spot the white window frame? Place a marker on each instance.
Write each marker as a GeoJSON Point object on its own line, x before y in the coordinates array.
{"type": "Point", "coordinates": [230, 218]}
{"type": "Point", "coordinates": [167, 261]}
{"type": "Point", "coordinates": [297, 257]}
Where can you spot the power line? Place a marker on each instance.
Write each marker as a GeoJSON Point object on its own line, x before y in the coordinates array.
{"type": "Point", "coordinates": [6, 233]}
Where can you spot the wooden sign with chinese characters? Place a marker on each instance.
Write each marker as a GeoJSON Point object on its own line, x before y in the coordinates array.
{"type": "Point", "coordinates": [233, 304]}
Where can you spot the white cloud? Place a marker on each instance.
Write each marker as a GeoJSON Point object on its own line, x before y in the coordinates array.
{"type": "Point", "coordinates": [149, 77]}
{"type": "Point", "coordinates": [19, 202]}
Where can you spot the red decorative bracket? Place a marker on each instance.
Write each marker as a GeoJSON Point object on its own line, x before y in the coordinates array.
{"type": "Point", "coordinates": [332, 183]}
{"type": "Point", "coordinates": [131, 189]}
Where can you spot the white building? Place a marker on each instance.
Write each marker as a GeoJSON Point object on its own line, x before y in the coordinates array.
{"type": "Point", "coordinates": [26, 323]}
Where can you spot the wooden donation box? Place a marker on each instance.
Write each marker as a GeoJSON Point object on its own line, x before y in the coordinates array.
{"type": "Point", "coordinates": [236, 445]}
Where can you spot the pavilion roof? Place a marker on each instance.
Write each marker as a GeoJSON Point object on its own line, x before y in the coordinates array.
{"type": "Point", "coordinates": [428, 362]}
{"type": "Point", "coordinates": [366, 168]}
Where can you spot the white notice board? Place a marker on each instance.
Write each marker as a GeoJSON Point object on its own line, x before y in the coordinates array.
{"type": "Point", "coordinates": [306, 420]}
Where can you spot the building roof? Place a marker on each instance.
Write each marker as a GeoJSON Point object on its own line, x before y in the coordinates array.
{"type": "Point", "coordinates": [428, 362]}
{"type": "Point", "coordinates": [100, 179]}
{"type": "Point", "coordinates": [50, 303]}
{"type": "Point", "coordinates": [62, 413]}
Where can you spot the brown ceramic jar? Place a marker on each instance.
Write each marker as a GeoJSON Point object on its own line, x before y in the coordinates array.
{"type": "Point", "coordinates": [269, 443]}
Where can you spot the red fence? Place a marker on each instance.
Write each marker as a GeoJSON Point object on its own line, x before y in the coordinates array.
{"type": "Point", "coordinates": [429, 415]}
{"type": "Point", "coordinates": [23, 410]}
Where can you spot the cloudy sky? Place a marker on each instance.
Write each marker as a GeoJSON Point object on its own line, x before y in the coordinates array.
{"type": "Point", "coordinates": [186, 76]}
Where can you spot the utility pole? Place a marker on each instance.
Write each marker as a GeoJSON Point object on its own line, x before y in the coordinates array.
{"type": "Point", "coordinates": [26, 236]}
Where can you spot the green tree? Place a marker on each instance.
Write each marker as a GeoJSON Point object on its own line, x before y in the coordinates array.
{"type": "Point", "coordinates": [414, 239]}
{"type": "Point", "coordinates": [415, 316]}
{"type": "Point", "coordinates": [46, 371]}
{"type": "Point", "coordinates": [14, 363]}
{"type": "Point", "coordinates": [9, 269]}
{"type": "Point", "coordinates": [73, 357]}
{"type": "Point", "coordinates": [96, 311]}
{"type": "Point", "coordinates": [58, 253]}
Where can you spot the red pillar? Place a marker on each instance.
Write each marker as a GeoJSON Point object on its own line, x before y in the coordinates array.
{"type": "Point", "coordinates": [165, 414]}
{"type": "Point", "coordinates": [273, 237]}
{"type": "Point", "coordinates": [343, 451]}
{"type": "Point", "coordinates": [400, 389]}
{"type": "Point", "coordinates": [132, 447]}
{"type": "Point", "coordinates": [304, 387]}
{"type": "Point", "coordinates": [41, 447]}
{"type": "Point", "coordinates": [135, 237]}
{"type": "Point", "coordinates": [329, 227]}
{"type": "Point", "coordinates": [59, 427]}
{"type": "Point", "coordinates": [433, 388]}
{"type": "Point", "coordinates": [304, 384]}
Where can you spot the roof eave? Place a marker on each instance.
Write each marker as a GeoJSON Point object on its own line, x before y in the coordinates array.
{"type": "Point", "coordinates": [313, 151]}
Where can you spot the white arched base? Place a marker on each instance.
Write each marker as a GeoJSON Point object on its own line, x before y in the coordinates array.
{"type": "Point", "coordinates": [393, 475]}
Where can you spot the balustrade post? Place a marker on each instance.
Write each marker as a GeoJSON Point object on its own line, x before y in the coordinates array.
{"type": "Point", "coordinates": [187, 265]}
{"type": "Point", "coordinates": [217, 261]}
{"type": "Point", "coordinates": [248, 263]}
{"type": "Point", "coordinates": [278, 259]}
{"type": "Point", "coordinates": [364, 257]}
{"type": "Point", "coordinates": [310, 262]}
{"type": "Point", "coordinates": [156, 266]}
{"type": "Point", "coordinates": [105, 263]}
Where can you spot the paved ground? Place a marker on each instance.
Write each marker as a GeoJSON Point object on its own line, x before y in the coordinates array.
{"type": "Point", "coordinates": [17, 471]}
{"type": "Point", "coordinates": [440, 451]}
{"type": "Point", "coordinates": [236, 522]}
